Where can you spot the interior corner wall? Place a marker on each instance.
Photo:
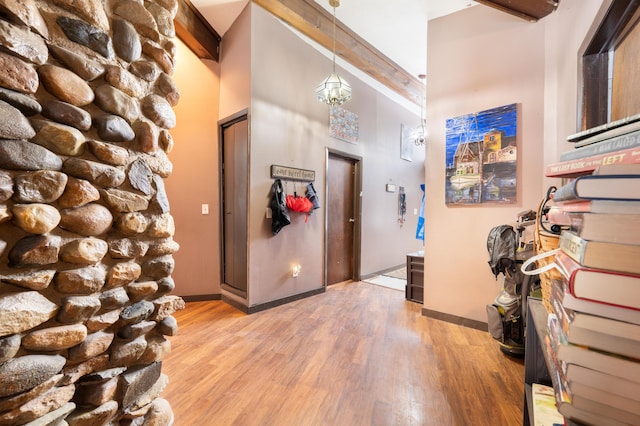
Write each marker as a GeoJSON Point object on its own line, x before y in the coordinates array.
{"type": "Point", "coordinates": [289, 127]}
{"type": "Point", "coordinates": [235, 66]}
{"type": "Point", "coordinates": [573, 24]}
{"type": "Point", "coordinates": [195, 181]}
{"type": "Point", "coordinates": [479, 58]}
{"type": "Point", "coordinates": [474, 65]}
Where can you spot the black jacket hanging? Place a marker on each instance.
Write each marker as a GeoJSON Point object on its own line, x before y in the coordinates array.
{"type": "Point", "coordinates": [278, 204]}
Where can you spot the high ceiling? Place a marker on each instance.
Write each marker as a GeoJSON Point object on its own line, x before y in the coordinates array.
{"type": "Point", "coordinates": [398, 28]}
{"type": "Point", "coordinates": [381, 41]}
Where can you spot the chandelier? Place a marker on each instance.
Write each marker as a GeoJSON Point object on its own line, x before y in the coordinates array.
{"type": "Point", "coordinates": [334, 90]}
{"type": "Point", "coordinates": [419, 135]}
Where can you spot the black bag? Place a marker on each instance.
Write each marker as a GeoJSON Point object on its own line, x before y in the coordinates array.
{"type": "Point", "coordinates": [278, 204]}
{"type": "Point", "coordinates": [501, 245]}
{"type": "Point", "coordinates": [313, 196]}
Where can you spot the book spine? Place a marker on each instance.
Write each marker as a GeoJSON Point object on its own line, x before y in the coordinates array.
{"type": "Point", "coordinates": [559, 216]}
{"type": "Point", "coordinates": [617, 143]}
{"type": "Point", "coordinates": [572, 245]}
{"type": "Point", "coordinates": [563, 316]}
{"type": "Point", "coordinates": [585, 166]}
{"type": "Point", "coordinates": [567, 192]}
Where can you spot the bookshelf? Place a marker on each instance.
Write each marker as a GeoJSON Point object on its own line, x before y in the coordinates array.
{"type": "Point", "coordinates": [536, 362]}
{"type": "Point", "coordinates": [414, 290]}
{"type": "Point", "coordinates": [538, 366]}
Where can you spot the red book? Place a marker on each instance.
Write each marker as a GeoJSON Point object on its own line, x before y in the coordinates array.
{"type": "Point", "coordinates": [560, 290]}
{"type": "Point", "coordinates": [599, 285]}
{"type": "Point", "coordinates": [605, 334]}
{"type": "Point", "coordinates": [586, 166]}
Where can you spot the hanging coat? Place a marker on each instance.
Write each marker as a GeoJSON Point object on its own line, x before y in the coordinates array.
{"type": "Point", "coordinates": [277, 203]}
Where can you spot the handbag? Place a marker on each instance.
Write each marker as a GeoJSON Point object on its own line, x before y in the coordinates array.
{"type": "Point", "coordinates": [277, 203]}
{"type": "Point", "coordinates": [312, 195]}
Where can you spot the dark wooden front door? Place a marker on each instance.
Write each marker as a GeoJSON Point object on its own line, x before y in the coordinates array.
{"type": "Point", "coordinates": [341, 218]}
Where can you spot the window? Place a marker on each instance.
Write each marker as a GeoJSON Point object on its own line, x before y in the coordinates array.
{"type": "Point", "coordinates": [610, 63]}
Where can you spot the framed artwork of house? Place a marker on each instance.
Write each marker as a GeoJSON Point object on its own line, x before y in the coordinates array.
{"type": "Point", "coordinates": [481, 154]}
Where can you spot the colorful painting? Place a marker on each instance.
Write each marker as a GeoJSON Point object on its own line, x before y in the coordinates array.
{"type": "Point", "coordinates": [481, 153]}
{"type": "Point", "coordinates": [343, 124]}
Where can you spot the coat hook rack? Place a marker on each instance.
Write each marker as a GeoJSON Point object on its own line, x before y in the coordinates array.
{"type": "Point", "coordinates": [291, 173]}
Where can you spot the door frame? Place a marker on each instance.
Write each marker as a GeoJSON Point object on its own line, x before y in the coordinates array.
{"type": "Point", "coordinates": [357, 211]}
{"type": "Point", "coordinates": [242, 296]}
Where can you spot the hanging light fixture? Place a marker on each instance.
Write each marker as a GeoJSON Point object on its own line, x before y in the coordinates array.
{"type": "Point", "coordinates": [419, 134]}
{"type": "Point", "coordinates": [334, 90]}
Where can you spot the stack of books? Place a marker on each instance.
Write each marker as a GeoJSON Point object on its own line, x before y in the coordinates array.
{"type": "Point", "coordinates": [594, 329]}
{"type": "Point", "coordinates": [617, 142]}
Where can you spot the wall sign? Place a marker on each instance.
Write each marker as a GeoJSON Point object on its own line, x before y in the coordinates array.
{"type": "Point", "coordinates": [290, 173]}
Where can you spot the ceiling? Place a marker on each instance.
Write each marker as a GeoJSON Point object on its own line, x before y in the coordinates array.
{"type": "Point", "coordinates": [383, 42]}
{"type": "Point", "coordinates": [398, 28]}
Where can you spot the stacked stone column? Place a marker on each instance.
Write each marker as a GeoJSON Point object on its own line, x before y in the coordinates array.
{"type": "Point", "coordinates": [86, 233]}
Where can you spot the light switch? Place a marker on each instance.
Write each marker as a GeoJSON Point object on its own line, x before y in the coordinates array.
{"type": "Point", "coordinates": [415, 212]}
{"type": "Point", "coordinates": [268, 213]}
{"type": "Point", "coordinates": [205, 209]}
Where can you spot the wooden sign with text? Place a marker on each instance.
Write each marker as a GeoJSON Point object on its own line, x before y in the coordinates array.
{"type": "Point", "coordinates": [290, 173]}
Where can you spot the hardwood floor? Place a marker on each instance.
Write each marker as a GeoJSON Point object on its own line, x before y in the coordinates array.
{"type": "Point", "coordinates": [358, 354]}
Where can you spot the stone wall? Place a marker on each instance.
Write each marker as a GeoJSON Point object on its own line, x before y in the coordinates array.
{"type": "Point", "coordinates": [86, 234]}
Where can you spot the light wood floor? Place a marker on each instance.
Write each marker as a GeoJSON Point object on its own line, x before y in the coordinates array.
{"type": "Point", "coordinates": [358, 354]}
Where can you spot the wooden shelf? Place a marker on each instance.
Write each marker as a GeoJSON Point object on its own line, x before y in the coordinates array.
{"type": "Point", "coordinates": [537, 361]}
{"type": "Point", "coordinates": [414, 290]}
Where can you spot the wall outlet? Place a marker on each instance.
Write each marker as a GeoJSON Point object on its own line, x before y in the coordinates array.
{"type": "Point", "coordinates": [295, 271]}
{"type": "Point", "coordinates": [268, 213]}
{"type": "Point", "coordinates": [205, 209]}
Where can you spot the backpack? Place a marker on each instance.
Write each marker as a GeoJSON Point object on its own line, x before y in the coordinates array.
{"type": "Point", "coordinates": [502, 245]}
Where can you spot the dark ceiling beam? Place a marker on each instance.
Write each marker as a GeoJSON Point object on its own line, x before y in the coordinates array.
{"type": "Point", "coordinates": [315, 22]}
{"type": "Point", "coordinates": [196, 33]}
{"type": "Point", "coordinates": [529, 10]}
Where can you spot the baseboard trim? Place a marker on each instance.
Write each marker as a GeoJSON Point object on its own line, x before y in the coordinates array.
{"type": "Point", "coordinates": [382, 272]}
{"type": "Point", "coordinates": [465, 322]}
{"type": "Point", "coordinates": [201, 297]}
{"type": "Point", "coordinates": [274, 303]}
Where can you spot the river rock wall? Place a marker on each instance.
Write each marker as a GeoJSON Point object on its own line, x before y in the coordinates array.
{"type": "Point", "coordinates": [86, 233]}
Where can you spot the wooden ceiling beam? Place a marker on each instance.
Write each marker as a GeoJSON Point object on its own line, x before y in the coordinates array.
{"type": "Point", "coordinates": [315, 22]}
{"type": "Point", "coordinates": [529, 10]}
{"type": "Point", "coordinates": [195, 32]}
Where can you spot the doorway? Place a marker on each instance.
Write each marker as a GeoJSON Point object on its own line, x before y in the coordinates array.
{"type": "Point", "coordinates": [234, 157]}
{"type": "Point", "coordinates": [343, 214]}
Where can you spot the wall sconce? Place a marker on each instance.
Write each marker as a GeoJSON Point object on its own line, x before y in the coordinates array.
{"type": "Point", "coordinates": [295, 270]}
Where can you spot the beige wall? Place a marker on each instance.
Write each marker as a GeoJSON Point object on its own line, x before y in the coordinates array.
{"type": "Point", "coordinates": [195, 176]}
{"type": "Point", "coordinates": [480, 58]}
{"type": "Point", "coordinates": [289, 127]}
{"type": "Point", "coordinates": [235, 66]}
{"type": "Point", "coordinates": [270, 71]}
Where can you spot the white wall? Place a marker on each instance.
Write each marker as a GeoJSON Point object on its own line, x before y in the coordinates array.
{"type": "Point", "coordinates": [480, 58]}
